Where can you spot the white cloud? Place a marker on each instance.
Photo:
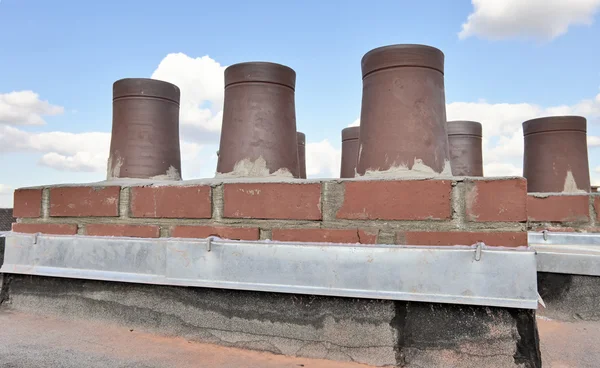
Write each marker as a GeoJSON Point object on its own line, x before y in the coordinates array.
{"type": "Point", "coordinates": [61, 150]}
{"type": "Point", "coordinates": [322, 160]}
{"type": "Point", "coordinates": [595, 179]}
{"type": "Point", "coordinates": [355, 123]}
{"type": "Point", "coordinates": [74, 151]}
{"type": "Point", "coordinates": [25, 108]}
{"type": "Point", "coordinates": [539, 19]}
{"type": "Point", "coordinates": [502, 128]}
{"type": "Point", "coordinates": [201, 81]}
{"type": "Point", "coordinates": [502, 169]}
{"type": "Point", "coordinates": [5, 189]}
{"type": "Point", "coordinates": [79, 161]}
{"type": "Point", "coordinates": [6, 196]}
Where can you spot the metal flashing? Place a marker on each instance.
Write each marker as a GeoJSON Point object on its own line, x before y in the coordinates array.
{"type": "Point", "coordinates": [477, 275]}
{"type": "Point", "coordinates": [569, 253]}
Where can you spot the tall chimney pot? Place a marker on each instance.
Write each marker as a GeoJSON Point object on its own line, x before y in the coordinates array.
{"type": "Point", "coordinates": [555, 155]}
{"type": "Point", "coordinates": [301, 138]}
{"type": "Point", "coordinates": [145, 130]}
{"type": "Point", "coordinates": [258, 137]}
{"type": "Point", "coordinates": [403, 114]}
{"type": "Point", "coordinates": [349, 151]}
{"type": "Point", "coordinates": [464, 140]}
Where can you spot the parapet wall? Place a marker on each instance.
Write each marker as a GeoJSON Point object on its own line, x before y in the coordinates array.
{"type": "Point", "coordinates": [417, 212]}
{"type": "Point", "coordinates": [496, 211]}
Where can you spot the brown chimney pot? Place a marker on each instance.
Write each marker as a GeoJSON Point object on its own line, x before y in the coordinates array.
{"type": "Point", "coordinates": [145, 130]}
{"type": "Point", "coordinates": [464, 140]}
{"type": "Point", "coordinates": [555, 155]}
{"type": "Point", "coordinates": [403, 114]}
{"type": "Point", "coordinates": [258, 137]}
{"type": "Point", "coordinates": [349, 151]}
{"type": "Point", "coordinates": [301, 138]}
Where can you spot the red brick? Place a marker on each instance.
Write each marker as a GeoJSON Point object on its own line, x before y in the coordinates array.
{"type": "Point", "coordinates": [558, 208]}
{"type": "Point", "coordinates": [171, 202]}
{"type": "Point", "coordinates": [496, 200]}
{"type": "Point", "coordinates": [56, 229]}
{"type": "Point", "coordinates": [235, 233]}
{"type": "Point", "coordinates": [597, 206]}
{"type": "Point", "coordinates": [27, 203]}
{"type": "Point", "coordinates": [506, 239]}
{"type": "Point", "coordinates": [284, 201]}
{"type": "Point", "coordinates": [84, 201]}
{"type": "Point", "coordinates": [396, 200]}
{"type": "Point", "coordinates": [137, 231]}
{"type": "Point", "coordinates": [326, 235]}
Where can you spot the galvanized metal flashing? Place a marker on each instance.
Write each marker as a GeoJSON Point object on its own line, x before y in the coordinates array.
{"type": "Point", "coordinates": [503, 277]}
{"type": "Point", "coordinates": [570, 253]}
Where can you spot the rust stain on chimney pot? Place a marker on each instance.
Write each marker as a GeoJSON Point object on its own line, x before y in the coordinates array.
{"type": "Point", "coordinates": [258, 137]}
{"type": "Point", "coordinates": [403, 114]}
{"type": "Point", "coordinates": [145, 130]}
{"type": "Point", "coordinates": [349, 151]}
{"type": "Point", "coordinates": [301, 138]}
{"type": "Point", "coordinates": [556, 157]}
{"type": "Point", "coordinates": [464, 140]}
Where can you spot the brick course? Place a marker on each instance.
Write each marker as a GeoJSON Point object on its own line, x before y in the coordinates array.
{"type": "Point", "coordinates": [326, 235]}
{"type": "Point", "coordinates": [84, 201]}
{"type": "Point", "coordinates": [27, 203]}
{"type": "Point", "coordinates": [137, 231]}
{"type": "Point", "coordinates": [236, 233]}
{"type": "Point", "coordinates": [55, 229]}
{"type": "Point", "coordinates": [417, 212]}
{"type": "Point", "coordinates": [558, 208]}
{"type": "Point", "coordinates": [396, 200]}
{"type": "Point", "coordinates": [496, 200]}
{"type": "Point", "coordinates": [171, 202]}
{"type": "Point", "coordinates": [282, 201]}
{"type": "Point", "coordinates": [506, 239]}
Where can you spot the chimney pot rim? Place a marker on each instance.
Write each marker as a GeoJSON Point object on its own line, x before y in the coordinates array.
{"type": "Point", "coordinates": [402, 55]}
{"type": "Point", "coordinates": [146, 87]}
{"type": "Point", "coordinates": [260, 71]}
{"type": "Point", "coordinates": [464, 127]}
{"type": "Point", "coordinates": [555, 123]}
{"type": "Point", "coordinates": [350, 133]}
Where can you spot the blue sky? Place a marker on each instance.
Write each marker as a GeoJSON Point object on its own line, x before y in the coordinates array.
{"type": "Point", "coordinates": [512, 61]}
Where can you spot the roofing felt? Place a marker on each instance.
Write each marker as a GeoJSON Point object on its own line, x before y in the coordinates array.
{"type": "Point", "coordinates": [6, 219]}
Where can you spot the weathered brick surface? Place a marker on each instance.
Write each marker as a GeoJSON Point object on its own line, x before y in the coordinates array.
{"type": "Point", "coordinates": [559, 208]}
{"type": "Point", "coordinates": [506, 239]}
{"type": "Point", "coordinates": [396, 200]}
{"type": "Point", "coordinates": [596, 198]}
{"type": "Point", "coordinates": [84, 201]}
{"type": "Point", "coordinates": [284, 201]}
{"type": "Point", "coordinates": [236, 233]}
{"type": "Point", "coordinates": [349, 205]}
{"type": "Point", "coordinates": [55, 229]}
{"type": "Point", "coordinates": [27, 203]}
{"type": "Point", "coordinates": [136, 231]}
{"type": "Point", "coordinates": [326, 235]}
{"type": "Point", "coordinates": [171, 202]}
{"type": "Point", "coordinates": [496, 200]}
